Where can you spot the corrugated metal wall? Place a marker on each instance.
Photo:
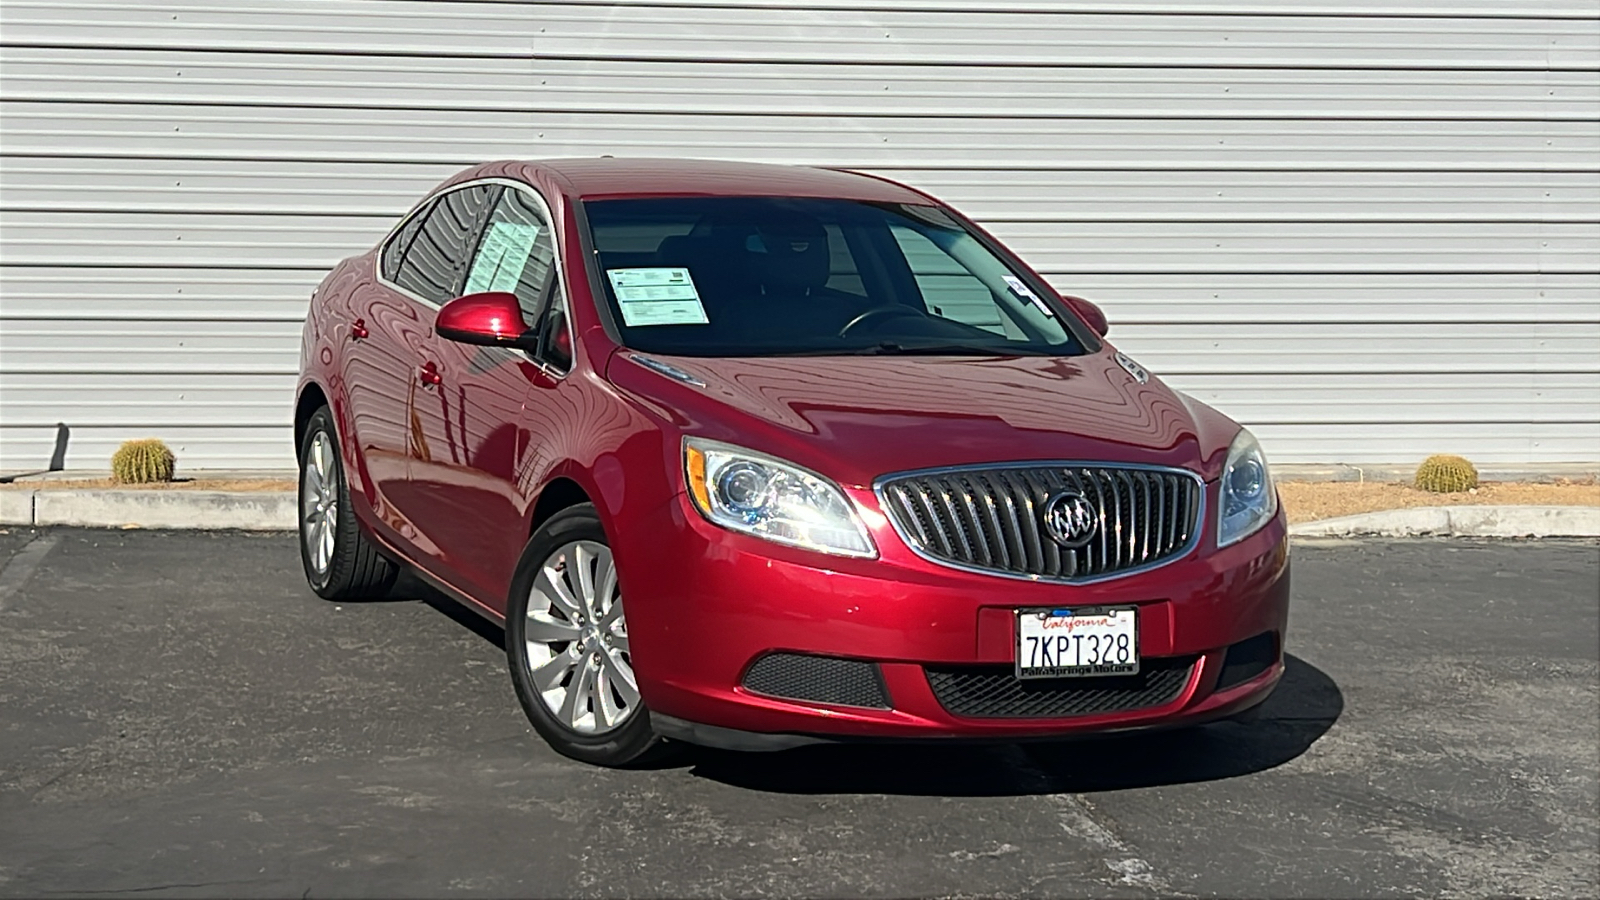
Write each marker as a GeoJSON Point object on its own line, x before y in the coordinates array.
{"type": "Point", "coordinates": [1369, 229]}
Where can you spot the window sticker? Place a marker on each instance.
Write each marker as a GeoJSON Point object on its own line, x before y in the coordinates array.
{"type": "Point", "coordinates": [1023, 293]}
{"type": "Point", "coordinates": [657, 297]}
{"type": "Point", "coordinates": [501, 257]}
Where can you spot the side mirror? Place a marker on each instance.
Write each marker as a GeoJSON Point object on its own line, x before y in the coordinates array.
{"type": "Point", "coordinates": [1090, 313]}
{"type": "Point", "coordinates": [490, 319]}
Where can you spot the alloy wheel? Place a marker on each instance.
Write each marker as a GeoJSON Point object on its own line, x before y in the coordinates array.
{"type": "Point", "coordinates": [319, 503]}
{"type": "Point", "coordinates": [577, 640]}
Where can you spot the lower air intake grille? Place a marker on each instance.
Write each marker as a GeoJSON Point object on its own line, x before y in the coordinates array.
{"type": "Point", "coordinates": [1247, 660]}
{"type": "Point", "coordinates": [995, 692]}
{"type": "Point", "coordinates": [820, 679]}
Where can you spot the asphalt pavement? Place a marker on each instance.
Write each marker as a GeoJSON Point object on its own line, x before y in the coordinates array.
{"type": "Point", "coordinates": [180, 716]}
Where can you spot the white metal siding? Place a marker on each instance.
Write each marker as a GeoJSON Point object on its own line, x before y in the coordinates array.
{"type": "Point", "coordinates": [1371, 230]}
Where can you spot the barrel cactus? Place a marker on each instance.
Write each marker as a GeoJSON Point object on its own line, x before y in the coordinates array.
{"type": "Point", "coordinates": [142, 462]}
{"type": "Point", "coordinates": [1446, 474]}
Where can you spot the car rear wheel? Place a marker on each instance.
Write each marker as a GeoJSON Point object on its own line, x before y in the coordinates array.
{"type": "Point", "coordinates": [567, 644]}
{"type": "Point", "coordinates": [340, 563]}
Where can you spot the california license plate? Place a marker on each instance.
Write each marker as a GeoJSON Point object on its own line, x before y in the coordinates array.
{"type": "Point", "coordinates": [1058, 643]}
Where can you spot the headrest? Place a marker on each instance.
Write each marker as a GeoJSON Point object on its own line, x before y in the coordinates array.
{"type": "Point", "coordinates": [678, 248]}
{"type": "Point", "coordinates": [716, 260]}
{"type": "Point", "coordinates": [790, 253]}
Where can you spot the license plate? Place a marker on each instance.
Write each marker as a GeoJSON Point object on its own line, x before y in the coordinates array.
{"type": "Point", "coordinates": [1057, 643]}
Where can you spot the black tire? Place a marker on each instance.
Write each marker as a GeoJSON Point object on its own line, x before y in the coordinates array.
{"type": "Point", "coordinates": [630, 743]}
{"type": "Point", "coordinates": [356, 570]}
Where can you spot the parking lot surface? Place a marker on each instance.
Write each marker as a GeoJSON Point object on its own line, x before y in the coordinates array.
{"type": "Point", "coordinates": [180, 716]}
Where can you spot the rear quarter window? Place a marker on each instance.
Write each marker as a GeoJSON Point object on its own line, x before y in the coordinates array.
{"type": "Point", "coordinates": [394, 252]}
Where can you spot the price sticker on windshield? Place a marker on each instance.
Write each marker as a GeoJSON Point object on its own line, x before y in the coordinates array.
{"type": "Point", "coordinates": [657, 297]}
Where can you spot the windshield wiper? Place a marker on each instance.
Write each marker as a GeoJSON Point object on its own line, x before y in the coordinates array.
{"type": "Point", "coordinates": [894, 348]}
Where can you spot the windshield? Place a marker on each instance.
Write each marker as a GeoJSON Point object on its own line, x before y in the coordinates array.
{"type": "Point", "coordinates": [770, 276]}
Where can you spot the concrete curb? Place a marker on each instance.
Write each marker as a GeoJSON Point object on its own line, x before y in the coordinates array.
{"type": "Point", "coordinates": [108, 508]}
{"type": "Point", "coordinates": [16, 507]}
{"type": "Point", "coordinates": [1461, 521]}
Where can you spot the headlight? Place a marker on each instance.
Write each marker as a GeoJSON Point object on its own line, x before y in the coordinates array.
{"type": "Point", "coordinates": [1249, 500]}
{"type": "Point", "coordinates": [750, 492]}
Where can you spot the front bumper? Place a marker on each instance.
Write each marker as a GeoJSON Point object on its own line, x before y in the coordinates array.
{"type": "Point", "coordinates": [705, 604]}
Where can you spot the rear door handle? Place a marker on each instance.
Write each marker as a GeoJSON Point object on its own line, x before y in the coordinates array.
{"type": "Point", "coordinates": [358, 330]}
{"type": "Point", "coordinates": [429, 375]}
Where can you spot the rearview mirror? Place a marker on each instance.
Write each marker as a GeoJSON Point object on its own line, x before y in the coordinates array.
{"type": "Point", "coordinates": [490, 319]}
{"type": "Point", "coordinates": [1090, 313]}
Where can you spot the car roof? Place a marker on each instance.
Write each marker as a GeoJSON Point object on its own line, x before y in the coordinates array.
{"type": "Point", "coordinates": [610, 177]}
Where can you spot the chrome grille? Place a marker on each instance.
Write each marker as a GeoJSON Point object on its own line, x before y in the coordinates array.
{"type": "Point", "coordinates": [992, 517]}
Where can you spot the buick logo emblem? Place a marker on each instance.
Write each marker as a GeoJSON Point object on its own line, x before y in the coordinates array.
{"type": "Point", "coordinates": [1070, 520]}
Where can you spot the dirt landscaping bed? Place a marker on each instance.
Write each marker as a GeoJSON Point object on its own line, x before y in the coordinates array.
{"type": "Point", "coordinates": [1305, 500]}
{"type": "Point", "coordinates": [1310, 500]}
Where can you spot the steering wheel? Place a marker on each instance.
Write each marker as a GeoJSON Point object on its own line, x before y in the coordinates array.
{"type": "Point", "coordinates": [878, 314]}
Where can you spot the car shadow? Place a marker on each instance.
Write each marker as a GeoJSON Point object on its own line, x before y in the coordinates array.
{"type": "Point", "coordinates": [407, 588]}
{"type": "Point", "coordinates": [410, 588]}
{"type": "Point", "coordinates": [1306, 704]}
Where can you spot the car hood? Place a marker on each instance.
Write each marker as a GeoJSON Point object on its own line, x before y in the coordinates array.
{"type": "Point", "coordinates": [857, 418]}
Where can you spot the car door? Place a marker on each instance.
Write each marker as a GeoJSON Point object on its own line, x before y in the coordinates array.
{"type": "Point", "coordinates": [385, 332]}
{"type": "Point", "coordinates": [427, 274]}
{"type": "Point", "coordinates": [470, 484]}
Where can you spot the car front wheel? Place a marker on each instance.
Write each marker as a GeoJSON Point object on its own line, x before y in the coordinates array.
{"type": "Point", "coordinates": [567, 644]}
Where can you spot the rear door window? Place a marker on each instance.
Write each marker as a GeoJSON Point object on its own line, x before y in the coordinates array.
{"type": "Point", "coordinates": [436, 257]}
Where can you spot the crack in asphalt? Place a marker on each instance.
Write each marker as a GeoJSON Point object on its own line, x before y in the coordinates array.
{"type": "Point", "coordinates": [153, 887]}
{"type": "Point", "coordinates": [1076, 817]}
{"type": "Point", "coordinates": [19, 568]}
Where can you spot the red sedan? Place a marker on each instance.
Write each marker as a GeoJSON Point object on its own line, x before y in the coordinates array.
{"type": "Point", "coordinates": [754, 456]}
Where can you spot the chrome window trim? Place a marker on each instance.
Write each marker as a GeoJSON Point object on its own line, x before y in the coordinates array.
{"type": "Point", "coordinates": [915, 546]}
{"type": "Point", "coordinates": [555, 248]}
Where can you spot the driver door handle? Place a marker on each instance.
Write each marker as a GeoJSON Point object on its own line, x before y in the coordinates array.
{"type": "Point", "coordinates": [429, 375]}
